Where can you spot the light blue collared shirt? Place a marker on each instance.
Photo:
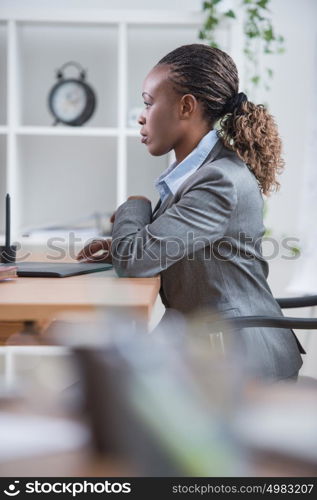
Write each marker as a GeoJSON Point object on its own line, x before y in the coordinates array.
{"type": "Point", "coordinates": [174, 176]}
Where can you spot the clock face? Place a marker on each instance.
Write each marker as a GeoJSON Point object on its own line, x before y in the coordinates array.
{"type": "Point", "coordinates": [69, 101]}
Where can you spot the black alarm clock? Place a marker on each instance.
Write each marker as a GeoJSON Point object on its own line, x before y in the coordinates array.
{"type": "Point", "coordinates": [71, 100]}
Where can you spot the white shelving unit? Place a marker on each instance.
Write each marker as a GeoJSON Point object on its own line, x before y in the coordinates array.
{"type": "Point", "coordinates": [56, 174]}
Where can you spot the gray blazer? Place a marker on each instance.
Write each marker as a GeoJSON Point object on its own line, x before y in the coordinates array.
{"type": "Point", "coordinates": [205, 241]}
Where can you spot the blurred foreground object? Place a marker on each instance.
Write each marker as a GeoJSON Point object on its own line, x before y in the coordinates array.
{"type": "Point", "coordinates": [278, 426]}
{"type": "Point", "coordinates": [171, 404]}
{"type": "Point", "coordinates": [160, 402]}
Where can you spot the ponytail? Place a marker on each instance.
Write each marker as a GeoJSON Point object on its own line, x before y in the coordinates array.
{"type": "Point", "coordinates": [252, 133]}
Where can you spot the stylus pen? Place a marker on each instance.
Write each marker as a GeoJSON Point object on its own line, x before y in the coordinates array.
{"type": "Point", "coordinates": [8, 222]}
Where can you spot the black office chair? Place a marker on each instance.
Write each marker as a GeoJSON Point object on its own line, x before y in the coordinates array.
{"type": "Point", "coordinates": [281, 322]}
{"type": "Point", "coordinates": [240, 322]}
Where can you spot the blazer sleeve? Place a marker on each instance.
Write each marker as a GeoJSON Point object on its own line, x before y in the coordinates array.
{"type": "Point", "coordinates": [142, 248]}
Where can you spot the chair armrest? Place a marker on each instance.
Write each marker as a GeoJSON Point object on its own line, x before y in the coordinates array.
{"type": "Point", "coordinates": [290, 302]}
{"type": "Point", "coordinates": [269, 322]}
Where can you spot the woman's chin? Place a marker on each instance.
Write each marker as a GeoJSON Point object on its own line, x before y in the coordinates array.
{"type": "Point", "coordinates": [153, 150]}
{"type": "Point", "coordinates": [156, 151]}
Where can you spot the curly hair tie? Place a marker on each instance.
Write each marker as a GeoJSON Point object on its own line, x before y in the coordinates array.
{"type": "Point", "coordinates": [235, 103]}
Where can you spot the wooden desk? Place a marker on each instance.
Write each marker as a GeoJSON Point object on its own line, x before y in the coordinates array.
{"type": "Point", "coordinates": [40, 299]}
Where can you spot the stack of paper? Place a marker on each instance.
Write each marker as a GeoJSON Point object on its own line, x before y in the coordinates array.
{"type": "Point", "coordinates": [7, 272]}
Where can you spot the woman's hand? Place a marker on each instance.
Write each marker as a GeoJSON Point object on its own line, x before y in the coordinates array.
{"type": "Point", "coordinates": [100, 250]}
{"type": "Point", "coordinates": [96, 251]}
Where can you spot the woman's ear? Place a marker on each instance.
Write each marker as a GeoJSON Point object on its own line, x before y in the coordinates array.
{"type": "Point", "coordinates": [188, 106]}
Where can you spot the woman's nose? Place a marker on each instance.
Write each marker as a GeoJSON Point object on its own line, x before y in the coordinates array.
{"type": "Point", "coordinates": [141, 119]}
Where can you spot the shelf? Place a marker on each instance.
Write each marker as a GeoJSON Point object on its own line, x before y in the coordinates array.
{"type": "Point", "coordinates": [68, 131]}
{"type": "Point", "coordinates": [132, 132]}
{"type": "Point", "coordinates": [101, 16]}
{"type": "Point", "coordinates": [62, 131]}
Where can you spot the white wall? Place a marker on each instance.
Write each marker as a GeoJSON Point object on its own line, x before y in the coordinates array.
{"type": "Point", "coordinates": [290, 100]}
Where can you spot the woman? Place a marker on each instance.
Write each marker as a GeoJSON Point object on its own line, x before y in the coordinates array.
{"type": "Point", "coordinates": [204, 236]}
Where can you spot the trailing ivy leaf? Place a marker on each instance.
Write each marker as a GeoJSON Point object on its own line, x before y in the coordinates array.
{"type": "Point", "coordinates": [211, 22]}
{"type": "Point", "coordinates": [202, 35]}
{"type": "Point", "coordinates": [207, 5]}
{"type": "Point", "coordinates": [269, 72]}
{"type": "Point", "coordinates": [230, 13]}
{"type": "Point", "coordinates": [262, 4]}
{"type": "Point", "coordinates": [255, 79]}
{"type": "Point", "coordinates": [268, 34]}
{"type": "Point", "coordinates": [253, 12]}
{"type": "Point", "coordinates": [252, 33]}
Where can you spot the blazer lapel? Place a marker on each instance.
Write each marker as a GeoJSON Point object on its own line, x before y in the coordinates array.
{"type": "Point", "coordinates": [157, 206]}
{"type": "Point", "coordinates": [161, 207]}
